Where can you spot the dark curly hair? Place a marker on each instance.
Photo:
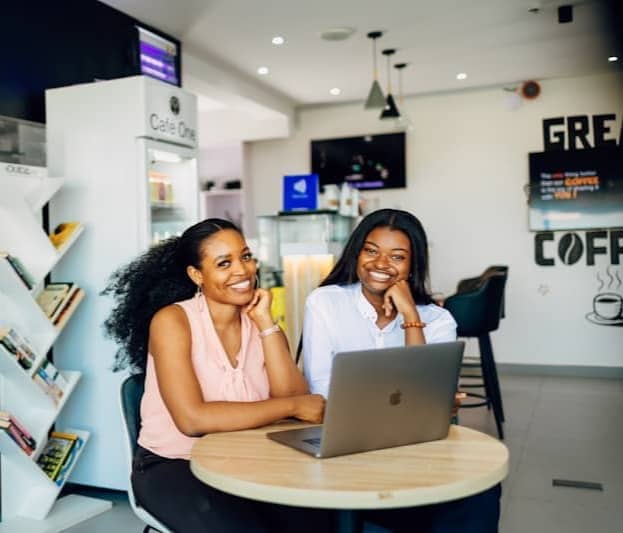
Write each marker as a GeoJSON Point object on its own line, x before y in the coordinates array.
{"type": "Point", "coordinates": [155, 279]}
{"type": "Point", "coordinates": [345, 270]}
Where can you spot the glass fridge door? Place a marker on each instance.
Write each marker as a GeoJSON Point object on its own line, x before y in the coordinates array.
{"type": "Point", "coordinates": [307, 232]}
{"type": "Point", "coordinates": [298, 250]}
{"type": "Point", "coordinates": [171, 186]}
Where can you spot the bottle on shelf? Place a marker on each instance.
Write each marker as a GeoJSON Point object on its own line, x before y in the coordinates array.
{"type": "Point", "coordinates": [354, 202]}
{"type": "Point", "coordinates": [345, 200]}
{"type": "Point", "coordinates": [331, 197]}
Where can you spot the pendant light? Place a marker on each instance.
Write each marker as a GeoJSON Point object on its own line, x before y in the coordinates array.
{"type": "Point", "coordinates": [402, 121]}
{"type": "Point", "coordinates": [375, 99]}
{"type": "Point", "coordinates": [400, 67]}
{"type": "Point", "coordinates": [390, 110]}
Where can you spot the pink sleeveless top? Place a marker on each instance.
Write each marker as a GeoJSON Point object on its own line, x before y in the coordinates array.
{"type": "Point", "coordinates": [219, 381]}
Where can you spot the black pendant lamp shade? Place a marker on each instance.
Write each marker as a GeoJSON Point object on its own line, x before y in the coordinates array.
{"type": "Point", "coordinates": [390, 110]}
{"type": "Point", "coordinates": [375, 99]}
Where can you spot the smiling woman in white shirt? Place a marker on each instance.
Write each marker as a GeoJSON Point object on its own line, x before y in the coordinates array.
{"type": "Point", "coordinates": [376, 296]}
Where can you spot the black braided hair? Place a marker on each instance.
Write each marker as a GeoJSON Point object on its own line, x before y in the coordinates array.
{"type": "Point", "coordinates": [153, 280]}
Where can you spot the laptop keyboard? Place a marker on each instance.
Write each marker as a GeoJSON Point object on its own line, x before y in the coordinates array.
{"type": "Point", "coordinates": [314, 442]}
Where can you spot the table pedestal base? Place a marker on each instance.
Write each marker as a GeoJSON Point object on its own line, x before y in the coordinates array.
{"type": "Point", "coordinates": [349, 521]}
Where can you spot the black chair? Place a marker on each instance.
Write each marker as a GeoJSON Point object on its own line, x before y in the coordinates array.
{"type": "Point", "coordinates": [477, 308]}
{"type": "Point", "coordinates": [469, 284]}
{"type": "Point", "coordinates": [132, 389]}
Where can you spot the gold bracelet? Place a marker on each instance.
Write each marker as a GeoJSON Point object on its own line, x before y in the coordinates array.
{"type": "Point", "coordinates": [269, 331]}
{"type": "Point", "coordinates": [413, 324]}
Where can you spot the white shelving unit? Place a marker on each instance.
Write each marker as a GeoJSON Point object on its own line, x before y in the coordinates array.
{"type": "Point", "coordinates": [29, 496]}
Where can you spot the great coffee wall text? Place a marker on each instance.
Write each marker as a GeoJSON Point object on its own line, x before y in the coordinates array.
{"type": "Point", "coordinates": [572, 133]}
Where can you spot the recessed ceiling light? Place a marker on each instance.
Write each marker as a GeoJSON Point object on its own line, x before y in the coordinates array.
{"type": "Point", "coordinates": [612, 59]}
{"type": "Point", "coordinates": [337, 34]}
{"type": "Point", "coordinates": [278, 39]}
{"type": "Point", "coordinates": [335, 91]}
{"type": "Point", "coordinates": [461, 76]}
{"type": "Point", "coordinates": [262, 71]}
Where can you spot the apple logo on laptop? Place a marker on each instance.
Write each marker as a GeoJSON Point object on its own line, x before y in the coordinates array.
{"type": "Point", "coordinates": [395, 397]}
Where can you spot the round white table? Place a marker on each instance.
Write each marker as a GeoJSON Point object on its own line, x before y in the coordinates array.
{"type": "Point", "coordinates": [248, 464]}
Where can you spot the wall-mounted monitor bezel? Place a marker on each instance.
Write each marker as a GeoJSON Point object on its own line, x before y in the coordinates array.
{"type": "Point", "coordinates": [367, 162]}
{"type": "Point", "coordinates": [159, 55]}
{"type": "Point", "coordinates": [576, 189]}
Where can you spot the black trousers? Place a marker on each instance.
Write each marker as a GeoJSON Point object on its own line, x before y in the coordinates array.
{"type": "Point", "coordinates": [475, 514]}
{"type": "Point", "coordinates": [168, 490]}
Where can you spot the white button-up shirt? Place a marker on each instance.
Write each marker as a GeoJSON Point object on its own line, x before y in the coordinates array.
{"type": "Point", "coordinates": [339, 318]}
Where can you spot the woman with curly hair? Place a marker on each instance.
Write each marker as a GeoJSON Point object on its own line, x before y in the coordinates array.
{"type": "Point", "coordinates": [188, 314]}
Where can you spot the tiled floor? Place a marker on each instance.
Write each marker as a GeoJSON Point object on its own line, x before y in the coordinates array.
{"type": "Point", "coordinates": [568, 428]}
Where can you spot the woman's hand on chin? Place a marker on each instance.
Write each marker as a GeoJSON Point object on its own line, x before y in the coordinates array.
{"type": "Point", "coordinates": [258, 309]}
{"type": "Point", "coordinates": [399, 296]}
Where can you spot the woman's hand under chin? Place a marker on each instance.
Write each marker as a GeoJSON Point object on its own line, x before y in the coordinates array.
{"type": "Point", "coordinates": [399, 297]}
{"type": "Point", "coordinates": [258, 309]}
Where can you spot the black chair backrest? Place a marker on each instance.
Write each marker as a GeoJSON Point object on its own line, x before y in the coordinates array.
{"type": "Point", "coordinates": [471, 284]}
{"type": "Point", "coordinates": [478, 311]}
{"type": "Point", "coordinates": [131, 393]}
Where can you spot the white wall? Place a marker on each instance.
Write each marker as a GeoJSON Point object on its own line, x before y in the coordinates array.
{"type": "Point", "coordinates": [467, 163]}
{"type": "Point", "coordinates": [240, 124]}
{"type": "Point", "coordinates": [220, 163]}
{"type": "Point", "coordinates": [250, 110]}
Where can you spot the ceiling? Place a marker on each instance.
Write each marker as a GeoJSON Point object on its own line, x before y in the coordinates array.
{"type": "Point", "coordinates": [495, 42]}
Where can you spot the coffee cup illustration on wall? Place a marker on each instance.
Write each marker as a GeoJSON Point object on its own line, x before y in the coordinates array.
{"type": "Point", "coordinates": [607, 309]}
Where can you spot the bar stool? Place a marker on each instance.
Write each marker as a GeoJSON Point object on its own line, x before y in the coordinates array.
{"type": "Point", "coordinates": [477, 309]}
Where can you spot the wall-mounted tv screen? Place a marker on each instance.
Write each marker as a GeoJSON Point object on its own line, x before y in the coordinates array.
{"type": "Point", "coordinates": [158, 57]}
{"type": "Point", "coordinates": [576, 189]}
{"type": "Point", "coordinates": [366, 162]}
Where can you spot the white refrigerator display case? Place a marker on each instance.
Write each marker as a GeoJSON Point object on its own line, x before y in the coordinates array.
{"type": "Point", "coordinates": [127, 151]}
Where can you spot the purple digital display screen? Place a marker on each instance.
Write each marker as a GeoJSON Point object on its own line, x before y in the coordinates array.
{"type": "Point", "coordinates": [158, 57]}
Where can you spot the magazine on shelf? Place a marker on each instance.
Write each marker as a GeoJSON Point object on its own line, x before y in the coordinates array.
{"type": "Point", "coordinates": [17, 433]}
{"type": "Point", "coordinates": [68, 308]}
{"type": "Point", "coordinates": [58, 455]}
{"type": "Point", "coordinates": [50, 380]}
{"type": "Point", "coordinates": [63, 232]}
{"type": "Point", "coordinates": [73, 452]}
{"type": "Point", "coordinates": [19, 268]}
{"type": "Point", "coordinates": [18, 438]}
{"type": "Point", "coordinates": [17, 346]}
{"type": "Point", "coordinates": [7, 419]}
{"type": "Point", "coordinates": [55, 297]}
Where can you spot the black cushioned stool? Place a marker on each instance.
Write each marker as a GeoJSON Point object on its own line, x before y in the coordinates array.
{"type": "Point", "coordinates": [477, 308]}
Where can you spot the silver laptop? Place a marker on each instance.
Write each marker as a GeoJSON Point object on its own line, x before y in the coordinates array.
{"type": "Point", "coordinates": [383, 398]}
